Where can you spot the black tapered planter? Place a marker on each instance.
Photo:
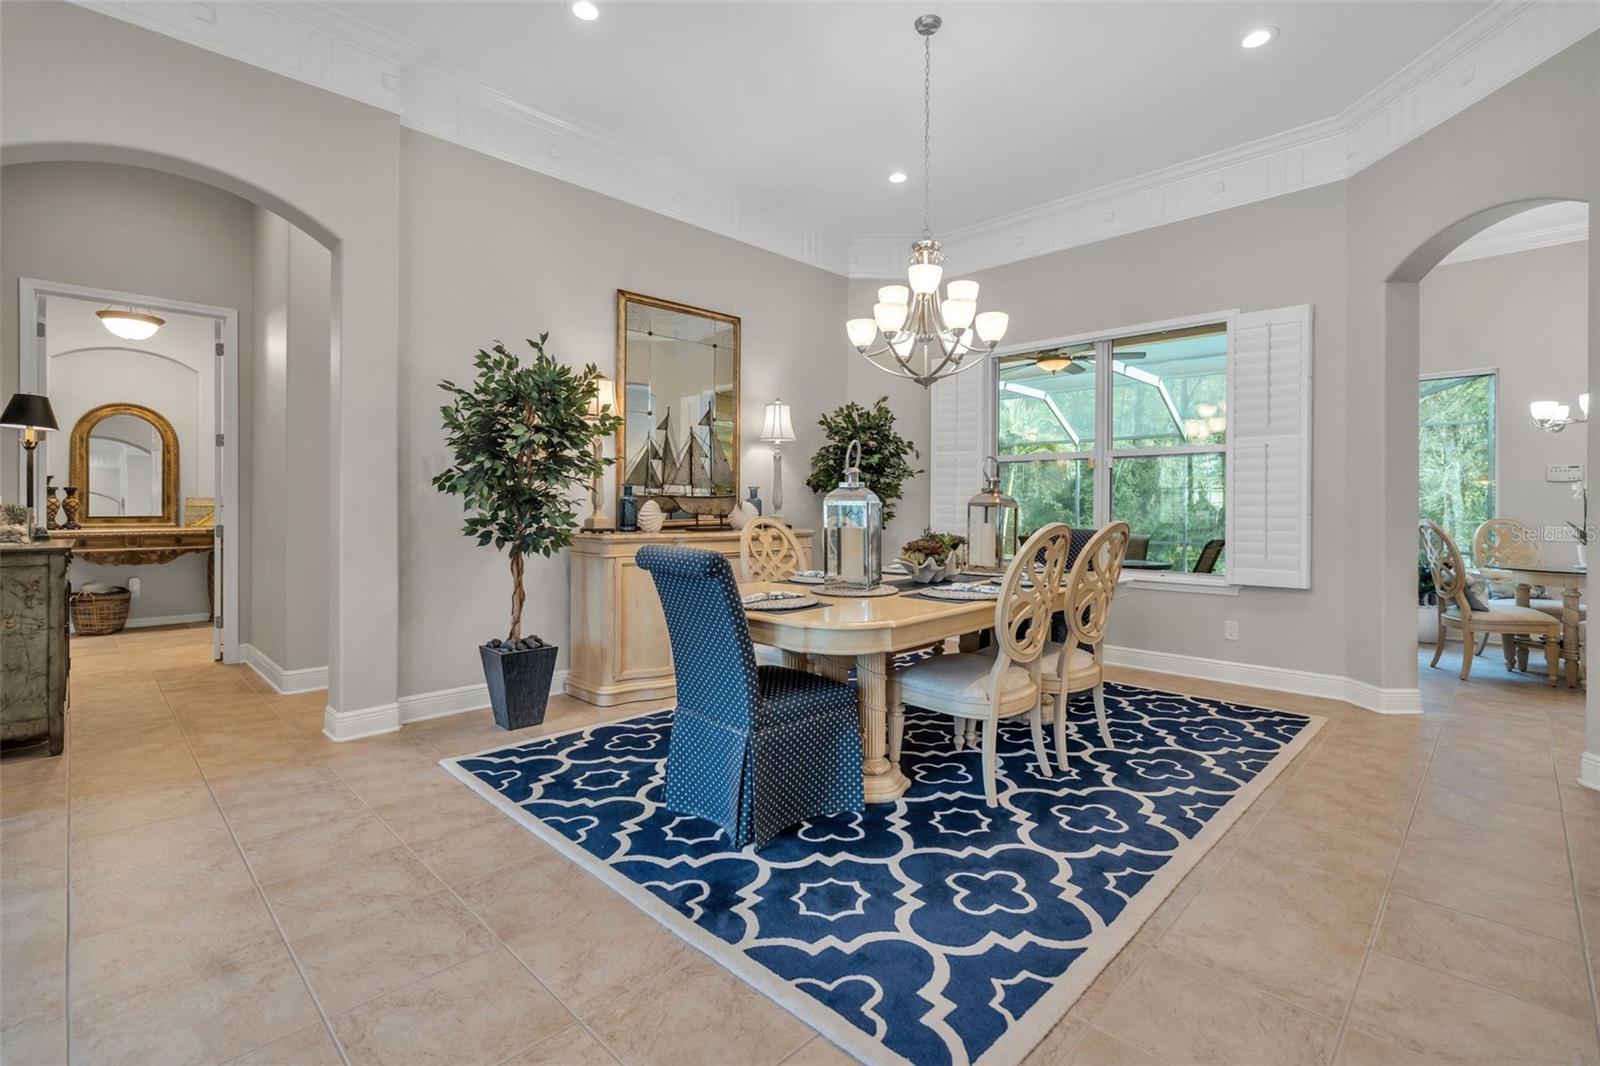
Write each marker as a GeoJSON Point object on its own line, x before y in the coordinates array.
{"type": "Point", "coordinates": [519, 682]}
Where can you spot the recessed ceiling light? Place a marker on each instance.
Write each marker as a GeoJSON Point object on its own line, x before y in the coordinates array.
{"type": "Point", "coordinates": [1258, 37]}
{"type": "Point", "coordinates": [585, 10]}
{"type": "Point", "coordinates": [898, 177]}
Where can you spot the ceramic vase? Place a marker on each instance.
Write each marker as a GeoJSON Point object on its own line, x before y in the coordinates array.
{"type": "Point", "coordinates": [71, 505]}
{"type": "Point", "coordinates": [650, 517]}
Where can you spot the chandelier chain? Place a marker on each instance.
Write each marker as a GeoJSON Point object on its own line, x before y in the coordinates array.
{"type": "Point", "coordinates": [927, 124]}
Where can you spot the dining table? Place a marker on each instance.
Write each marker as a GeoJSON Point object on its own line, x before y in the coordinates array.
{"type": "Point", "coordinates": [1571, 580]}
{"type": "Point", "coordinates": [866, 633]}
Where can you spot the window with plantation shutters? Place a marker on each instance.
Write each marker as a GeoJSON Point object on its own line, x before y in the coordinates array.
{"type": "Point", "coordinates": [1269, 415]}
{"type": "Point", "coordinates": [959, 442]}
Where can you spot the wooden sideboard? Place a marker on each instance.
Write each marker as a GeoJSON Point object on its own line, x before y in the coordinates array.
{"type": "Point", "coordinates": [620, 651]}
{"type": "Point", "coordinates": [33, 642]}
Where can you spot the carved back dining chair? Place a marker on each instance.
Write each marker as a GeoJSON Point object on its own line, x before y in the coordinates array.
{"type": "Point", "coordinates": [1077, 663]}
{"type": "Point", "coordinates": [1003, 681]}
{"type": "Point", "coordinates": [1456, 610]}
{"type": "Point", "coordinates": [754, 749]}
{"type": "Point", "coordinates": [1507, 542]}
{"type": "Point", "coordinates": [768, 551]}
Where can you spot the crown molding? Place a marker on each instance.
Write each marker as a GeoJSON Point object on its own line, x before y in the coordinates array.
{"type": "Point", "coordinates": [1485, 245]}
{"type": "Point", "coordinates": [1501, 43]}
{"type": "Point", "coordinates": [322, 47]}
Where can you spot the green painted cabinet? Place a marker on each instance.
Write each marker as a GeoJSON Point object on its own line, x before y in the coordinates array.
{"type": "Point", "coordinates": [33, 642]}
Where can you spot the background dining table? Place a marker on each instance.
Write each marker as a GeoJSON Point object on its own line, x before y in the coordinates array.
{"type": "Point", "coordinates": [1571, 580]}
{"type": "Point", "coordinates": [865, 632]}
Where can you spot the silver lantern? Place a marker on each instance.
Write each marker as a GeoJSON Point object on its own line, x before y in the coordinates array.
{"type": "Point", "coordinates": [852, 523]}
{"type": "Point", "coordinates": [992, 520]}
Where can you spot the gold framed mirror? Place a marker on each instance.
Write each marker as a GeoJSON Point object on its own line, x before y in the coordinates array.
{"type": "Point", "coordinates": [124, 463]}
{"type": "Point", "coordinates": [678, 395]}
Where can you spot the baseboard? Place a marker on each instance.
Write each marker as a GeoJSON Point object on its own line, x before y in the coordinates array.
{"type": "Point", "coordinates": [448, 701]}
{"type": "Point", "coordinates": [1589, 770]}
{"type": "Point", "coordinates": [363, 722]}
{"type": "Point", "coordinates": [285, 682]}
{"type": "Point", "coordinates": [166, 620]}
{"type": "Point", "coordinates": [1275, 678]}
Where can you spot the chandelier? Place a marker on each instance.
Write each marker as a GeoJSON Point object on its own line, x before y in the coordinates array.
{"type": "Point", "coordinates": [912, 333]}
{"type": "Point", "coordinates": [1553, 417]}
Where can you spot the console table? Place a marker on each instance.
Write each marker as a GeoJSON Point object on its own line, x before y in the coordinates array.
{"type": "Point", "coordinates": [620, 652]}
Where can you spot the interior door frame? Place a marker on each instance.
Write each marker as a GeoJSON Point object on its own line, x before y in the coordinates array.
{"type": "Point", "coordinates": [34, 375]}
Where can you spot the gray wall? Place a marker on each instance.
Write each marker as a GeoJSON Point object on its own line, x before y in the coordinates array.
{"type": "Point", "coordinates": [495, 252]}
{"type": "Point", "coordinates": [1533, 140]}
{"type": "Point", "coordinates": [1526, 315]}
{"type": "Point", "coordinates": [288, 468]}
{"type": "Point", "coordinates": [80, 86]}
{"type": "Point", "coordinates": [1288, 250]}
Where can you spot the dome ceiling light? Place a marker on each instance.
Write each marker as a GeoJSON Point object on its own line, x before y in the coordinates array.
{"type": "Point", "coordinates": [130, 324]}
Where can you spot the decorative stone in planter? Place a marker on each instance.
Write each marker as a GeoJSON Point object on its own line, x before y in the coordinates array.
{"type": "Point", "coordinates": [518, 676]}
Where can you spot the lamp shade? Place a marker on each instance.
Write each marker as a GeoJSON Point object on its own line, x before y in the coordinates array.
{"type": "Point", "coordinates": [605, 396]}
{"type": "Point", "coordinates": [29, 410]}
{"type": "Point", "coordinates": [777, 429]}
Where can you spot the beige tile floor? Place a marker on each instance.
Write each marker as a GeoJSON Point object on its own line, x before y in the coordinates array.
{"type": "Point", "coordinates": [204, 878]}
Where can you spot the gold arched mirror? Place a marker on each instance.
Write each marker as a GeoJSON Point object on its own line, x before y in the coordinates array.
{"type": "Point", "coordinates": [124, 464]}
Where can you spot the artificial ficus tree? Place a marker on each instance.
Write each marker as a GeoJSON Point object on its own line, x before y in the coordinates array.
{"type": "Point", "coordinates": [885, 454]}
{"type": "Point", "coordinates": [523, 437]}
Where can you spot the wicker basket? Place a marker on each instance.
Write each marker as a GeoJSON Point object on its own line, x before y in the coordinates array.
{"type": "Point", "coordinates": [97, 614]}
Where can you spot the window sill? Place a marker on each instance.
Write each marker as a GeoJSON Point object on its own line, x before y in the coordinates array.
{"type": "Point", "coordinates": [1204, 586]}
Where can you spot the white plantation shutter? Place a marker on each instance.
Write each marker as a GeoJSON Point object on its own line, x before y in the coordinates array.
{"type": "Point", "coordinates": [1269, 446]}
{"type": "Point", "coordinates": [958, 443]}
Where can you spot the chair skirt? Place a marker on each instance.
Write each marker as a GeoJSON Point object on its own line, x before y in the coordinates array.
{"type": "Point", "coordinates": [785, 771]}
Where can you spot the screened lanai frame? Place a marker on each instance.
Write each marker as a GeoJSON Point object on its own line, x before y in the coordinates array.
{"type": "Point", "coordinates": [1100, 452]}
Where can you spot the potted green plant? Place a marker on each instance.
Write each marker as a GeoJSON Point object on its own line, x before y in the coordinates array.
{"type": "Point", "coordinates": [523, 438]}
{"type": "Point", "coordinates": [885, 455]}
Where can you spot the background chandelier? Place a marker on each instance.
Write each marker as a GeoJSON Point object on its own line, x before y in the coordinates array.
{"type": "Point", "coordinates": [1553, 417]}
{"type": "Point", "coordinates": [911, 333]}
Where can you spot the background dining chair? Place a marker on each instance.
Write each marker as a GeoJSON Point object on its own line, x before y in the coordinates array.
{"type": "Point", "coordinates": [769, 552]}
{"type": "Point", "coordinates": [753, 749]}
{"type": "Point", "coordinates": [1210, 552]}
{"type": "Point", "coordinates": [988, 687]}
{"type": "Point", "coordinates": [1457, 612]}
{"type": "Point", "coordinates": [1138, 546]}
{"type": "Point", "coordinates": [1077, 664]}
{"type": "Point", "coordinates": [1506, 542]}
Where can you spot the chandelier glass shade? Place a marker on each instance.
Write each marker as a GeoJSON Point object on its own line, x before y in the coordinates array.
{"type": "Point", "coordinates": [912, 332]}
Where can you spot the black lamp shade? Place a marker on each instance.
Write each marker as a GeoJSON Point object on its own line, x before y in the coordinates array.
{"type": "Point", "coordinates": [29, 410]}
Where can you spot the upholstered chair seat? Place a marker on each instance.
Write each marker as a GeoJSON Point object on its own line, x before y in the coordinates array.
{"type": "Point", "coordinates": [964, 680]}
{"type": "Point", "coordinates": [754, 749]}
{"type": "Point", "coordinates": [1501, 611]}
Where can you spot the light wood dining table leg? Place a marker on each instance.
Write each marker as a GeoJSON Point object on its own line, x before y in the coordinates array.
{"type": "Point", "coordinates": [881, 779]}
{"type": "Point", "coordinates": [1569, 632]}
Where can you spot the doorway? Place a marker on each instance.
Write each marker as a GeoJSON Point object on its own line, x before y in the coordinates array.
{"type": "Point", "coordinates": [189, 380]}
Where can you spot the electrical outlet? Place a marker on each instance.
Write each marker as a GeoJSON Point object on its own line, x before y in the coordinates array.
{"type": "Point", "coordinates": [1230, 630]}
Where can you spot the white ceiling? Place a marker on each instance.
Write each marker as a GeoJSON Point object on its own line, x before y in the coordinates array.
{"type": "Point", "coordinates": [811, 105]}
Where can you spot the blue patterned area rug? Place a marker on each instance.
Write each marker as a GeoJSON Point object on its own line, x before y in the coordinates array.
{"type": "Point", "coordinates": [934, 929]}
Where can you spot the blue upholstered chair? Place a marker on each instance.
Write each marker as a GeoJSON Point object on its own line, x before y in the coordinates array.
{"type": "Point", "coordinates": [753, 749]}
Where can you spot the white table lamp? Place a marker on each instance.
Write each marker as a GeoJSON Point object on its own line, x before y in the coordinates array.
{"type": "Point", "coordinates": [605, 397]}
{"type": "Point", "coordinates": [777, 431]}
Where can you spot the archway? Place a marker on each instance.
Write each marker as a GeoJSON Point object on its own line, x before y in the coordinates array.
{"type": "Point", "coordinates": [1402, 344]}
{"type": "Point", "coordinates": [351, 677]}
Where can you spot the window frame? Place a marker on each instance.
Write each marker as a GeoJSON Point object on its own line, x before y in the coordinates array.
{"type": "Point", "coordinates": [1494, 431]}
{"type": "Point", "coordinates": [1104, 453]}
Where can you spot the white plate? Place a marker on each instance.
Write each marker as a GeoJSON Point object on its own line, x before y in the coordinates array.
{"type": "Point", "coordinates": [767, 601]}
